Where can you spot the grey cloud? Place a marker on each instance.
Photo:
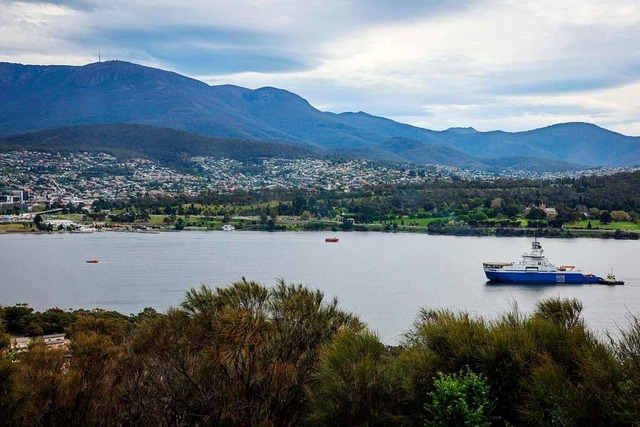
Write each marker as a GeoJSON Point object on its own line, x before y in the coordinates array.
{"type": "Point", "coordinates": [227, 61]}
{"type": "Point", "coordinates": [550, 85]}
{"type": "Point", "coordinates": [83, 5]}
{"type": "Point", "coordinates": [566, 75]}
{"type": "Point", "coordinates": [203, 50]}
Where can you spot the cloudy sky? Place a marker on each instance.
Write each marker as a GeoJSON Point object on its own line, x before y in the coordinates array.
{"type": "Point", "coordinates": [495, 64]}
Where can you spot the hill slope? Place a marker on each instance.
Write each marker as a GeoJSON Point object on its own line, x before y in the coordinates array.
{"type": "Point", "coordinates": [175, 148]}
{"type": "Point", "coordinates": [168, 146]}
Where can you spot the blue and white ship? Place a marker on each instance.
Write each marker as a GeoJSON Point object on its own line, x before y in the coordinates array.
{"type": "Point", "coordinates": [534, 267]}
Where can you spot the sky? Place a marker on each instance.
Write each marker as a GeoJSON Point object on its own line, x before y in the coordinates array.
{"type": "Point", "coordinates": [497, 64]}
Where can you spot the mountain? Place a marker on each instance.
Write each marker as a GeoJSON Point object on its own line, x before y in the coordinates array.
{"type": "Point", "coordinates": [43, 97]}
{"type": "Point", "coordinates": [575, 142]}
{"type": "Point", "coordinates": [34, 98]}
{"type": "Point", "coordinates": [426, 153]}
{"type": "Point", "coordinates": [169, 146]}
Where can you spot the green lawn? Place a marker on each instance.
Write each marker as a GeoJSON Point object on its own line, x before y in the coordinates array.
{"type": "Point", "coordinates": [72, 217]}
{"type": "Point", "coordinates": [422, 222]}
{"type": "Point", "coordinates": [15, 227]}
{"type": "Point", "coordinates": [157, 219]}
{"type": "Point", "coordinates": [614, 225]}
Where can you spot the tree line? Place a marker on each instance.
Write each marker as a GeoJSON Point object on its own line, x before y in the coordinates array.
{"type": "Point", "coordinates": [475, 201]}
{"type": "Point", "coordinates": [247, 354]}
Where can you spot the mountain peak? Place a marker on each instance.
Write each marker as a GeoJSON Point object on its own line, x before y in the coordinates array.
{"type": "Point", "coordinates": [122, 72]}
{"type": "Point", "coordinates": [576, 128]}
{"type": "Point", "coordinates": [272, 94]}
{"type": "Point", "coordinates": [461, 130]}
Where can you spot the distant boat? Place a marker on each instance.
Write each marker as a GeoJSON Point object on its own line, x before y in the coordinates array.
{"type": "Point", "coordinates": [331, 239]}
{"type": "Point", "coordinates": [92, 261]}
{"type": "Point", "coordinates": [533, 267]}
{"type": "Point", "coordinates": [228, 227]}
{"type": "Point", "coordinates": [611, 280]}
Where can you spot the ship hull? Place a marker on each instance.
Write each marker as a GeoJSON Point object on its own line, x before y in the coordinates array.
{"type": "Point", "coordinates": [548, 277]}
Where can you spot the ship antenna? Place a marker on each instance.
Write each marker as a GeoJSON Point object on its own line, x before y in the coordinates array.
{"type": "Point", "coordinates": [99, 56]}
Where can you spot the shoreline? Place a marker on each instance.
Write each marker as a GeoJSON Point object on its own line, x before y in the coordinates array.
{"type": "Point", "coordinates": [563, 233]}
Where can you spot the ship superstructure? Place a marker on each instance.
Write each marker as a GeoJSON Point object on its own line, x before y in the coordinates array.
{"type": "Point", "coordinates": [534, 267]}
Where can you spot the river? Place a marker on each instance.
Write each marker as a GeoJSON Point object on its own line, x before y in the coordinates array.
{"type": "Point", "coordinates": [385, 279]}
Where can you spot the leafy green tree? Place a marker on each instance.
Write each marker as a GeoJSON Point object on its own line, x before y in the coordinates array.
{"type": "Point", "coordinates": [143, 216]}
{"type": "Point", "coordinates": [38, 221]}
{"type": "Point", "coordinates": [32, 329]}
{"type": "Point", "coordinates": [479, 216]}
{"type": "Point", "coordinates": [461, 399]}
{"type": "Point", "coordinates": [179, 225]}
{"type": "Point", "coordinates": [536, 214]}
{"type": "Point", "coordinates": [16, 317]}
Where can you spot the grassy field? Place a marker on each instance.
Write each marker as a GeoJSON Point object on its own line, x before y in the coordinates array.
{"type": "Point", "coordinates": [72, 217]}
{"type": "Point", "coordinates": [422, 222]}
{"type": "Point", "coordinates": [10, 227]}
{"type": "Point", "coordinates": [157, 219]}
{"type": "Point", "coordinates": [614, 225]}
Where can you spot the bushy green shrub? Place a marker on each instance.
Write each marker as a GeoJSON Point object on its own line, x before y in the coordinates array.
{"type": "Point", "coordinates": [462, 399]}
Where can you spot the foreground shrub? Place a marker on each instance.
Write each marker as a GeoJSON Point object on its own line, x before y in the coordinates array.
{"type": "Point", "coordinates": [251, 355]}
{"type": "Point", "coordinates": [628, 352]}
{"type": "Point", "coordinates": [356, 383]}
{"type": "Point", "coordinates": [461, 399]}
{"type": "Point", "coordinates": [240, 355]}
{"type": "Point", "coordinates": [543, 368]}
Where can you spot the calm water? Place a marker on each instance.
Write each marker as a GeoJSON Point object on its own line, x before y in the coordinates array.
{"type": "Point", "coordinates": [383, 278]}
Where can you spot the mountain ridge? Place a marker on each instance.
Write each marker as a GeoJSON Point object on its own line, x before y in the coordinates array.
{"type": "Point", "coordinates": [39, 97]}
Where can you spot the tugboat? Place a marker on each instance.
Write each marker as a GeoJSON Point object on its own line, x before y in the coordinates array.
{"type": "Point", "coordinates": [534, 267]}
{"type": "Point", "coordinates": [611, 279]}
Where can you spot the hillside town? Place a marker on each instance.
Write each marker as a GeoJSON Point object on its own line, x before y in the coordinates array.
{"type": "Point", "coordinates": [30, 177]}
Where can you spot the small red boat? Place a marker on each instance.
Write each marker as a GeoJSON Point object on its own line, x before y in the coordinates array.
{"type": "Point", "coordinates": [92, 261]}
{"type": "Point", "coordinates": [331, 239]}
